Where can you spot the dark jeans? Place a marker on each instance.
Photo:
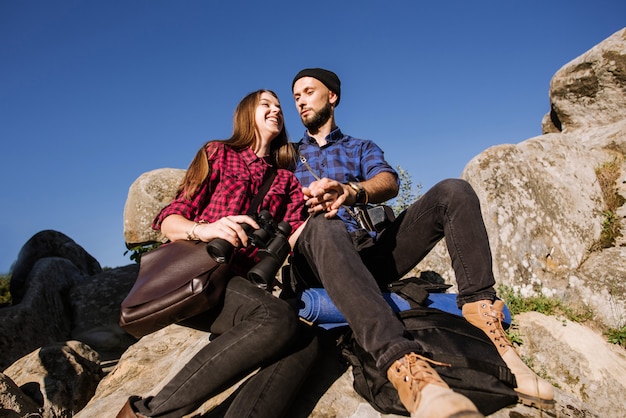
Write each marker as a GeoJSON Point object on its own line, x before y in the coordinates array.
{"type": "Point", "coordinates": [255, 329]}
{"type": "Point", "coordinates": [353, 274]}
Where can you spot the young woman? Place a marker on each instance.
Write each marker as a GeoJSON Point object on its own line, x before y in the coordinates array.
{"type": "Point", "coordinates": [254, 329]}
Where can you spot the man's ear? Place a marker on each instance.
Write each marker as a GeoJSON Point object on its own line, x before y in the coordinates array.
{"type": "Point", "coordinates": [332, 97]}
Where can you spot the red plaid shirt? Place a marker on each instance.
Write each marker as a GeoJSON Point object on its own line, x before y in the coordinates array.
{"type": "Point", "coordinates": [234, 180]}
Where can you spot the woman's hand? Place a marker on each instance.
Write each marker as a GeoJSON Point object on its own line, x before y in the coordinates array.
{"type": "Point", "coordinates": [325, 195]}
{"type": "Point", "coordinates": [177, 227]}
{"type": "Point", "coordinates": [227, 228]}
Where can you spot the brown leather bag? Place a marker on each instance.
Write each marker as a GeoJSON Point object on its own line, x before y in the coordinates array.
{"type": "Point", "coordinates": [176, 281]}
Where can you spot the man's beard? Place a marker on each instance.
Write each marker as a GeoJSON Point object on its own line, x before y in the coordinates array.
{"type": "Point", "coordinates": [320, 118]}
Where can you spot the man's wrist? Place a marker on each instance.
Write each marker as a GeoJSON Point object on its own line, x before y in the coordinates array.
{"type": "Point", "coordinates": [361, 196]}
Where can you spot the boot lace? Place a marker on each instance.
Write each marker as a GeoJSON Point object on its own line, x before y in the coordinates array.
{"type": "Point", "coordinates": [493, 320]}
{"type": "Point", "coordinates": [419, 370]}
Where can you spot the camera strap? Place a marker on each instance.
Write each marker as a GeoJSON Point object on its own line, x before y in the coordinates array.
{"type": "Point", "coordinates": [306, 164]}
{"type": "Point", "coordinates": [383, 214]}
{"type": "Point", "coordinates": [268, 179]}
{"type": "Point", "coordinates": [352, 212]}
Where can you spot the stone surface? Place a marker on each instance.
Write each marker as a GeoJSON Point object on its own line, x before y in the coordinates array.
{"type": "Point", "coordinates": [150, 193]}
{"type": "Point", "coordinates": [61, 377]}
{"type": "Point", "coordinates": [589, 90]}
{"type": "Point", "coordinates": [97, 323]}
{"type": "Point", "coordinates": [541, 201]}
{"type": "Point", "coordinates": [48, 243]}
{"type": "Point", "coordinates": [13, 402]}
{"type": "Point", "coordinates": [578, 360]}
{"type": "Point", "coordinates": [42, 317]}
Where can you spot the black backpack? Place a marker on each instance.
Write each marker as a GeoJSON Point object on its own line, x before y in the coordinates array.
{"type": "Point", "coordinates": [477, 370]}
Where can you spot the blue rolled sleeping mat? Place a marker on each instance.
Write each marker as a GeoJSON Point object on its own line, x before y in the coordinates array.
{"type": "Point", "coordinates": [317, 308]}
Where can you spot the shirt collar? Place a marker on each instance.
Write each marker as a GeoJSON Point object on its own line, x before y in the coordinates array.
{"type": "Point", "coordinates": [249, 156]}
{"type": "Point", "coordinates": [332, 137]}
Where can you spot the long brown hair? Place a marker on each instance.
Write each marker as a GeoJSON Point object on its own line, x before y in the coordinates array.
{"type": "Point", "coordinates": [282, 154]}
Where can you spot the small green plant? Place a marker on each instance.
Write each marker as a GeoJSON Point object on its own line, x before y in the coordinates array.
{"type": "Point", "coordinates": [542, 304]}
{"type": "Point", "coordinates": [617, 336]}
{"type": "Point", "coordinates": [139, 249]}
{"type": "Point", "coordinates": [547, 306]}
{"type": "Point", "coordinates": [611, 229]}
{"type": "Point", "coordinates": [513, 333]}
{"type": "Point", "coordinates": [607, 175]}
{"type": "Point", "coordinates": [5, 285]}
{"type": "Point", "coordinates": [407, 193]}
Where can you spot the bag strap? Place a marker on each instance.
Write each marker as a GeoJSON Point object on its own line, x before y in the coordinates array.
{"type": "Point", "coordinates": [268, 179]}
{"type": "Point", "coordinates": [352, 212]}
{"type": "Point", "coordinates": [306, 164]}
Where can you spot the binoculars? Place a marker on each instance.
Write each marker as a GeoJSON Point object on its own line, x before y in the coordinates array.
{"type": "Point", "coordinates": [271, 239]}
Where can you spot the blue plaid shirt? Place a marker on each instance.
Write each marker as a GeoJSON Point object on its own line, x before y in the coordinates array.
{"type": "Point", "coordinates": [344, 159]}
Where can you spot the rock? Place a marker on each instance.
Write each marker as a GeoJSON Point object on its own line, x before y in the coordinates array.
{"type": "Point", "coordinates": [577, 360]}
{"type": "Point", "coordinates": [544, 218]}
{"type": "Point", "coordinates": [589, 90]}
{"type": "Point", "coordinates": [48, 244]}
{"type": "Point", "coordinates": [42, 317]}
{"type": "Point", "coordinates": [145, 368]}
{"type": "Point", "coordinates": [600, 283]}
{"type": "Point", "coordinates": [154, 360]}
{"type": "Point", "coordinates": [95, 304]}
{"type": "Point", "coordinates": [84, 304]}
{"type": "Point", "coordinates": [61, 378]}
{"type": "Point", "coordinates": [150, 193]}
{"type": "Point", "coordinates": [14, 403]}
{"type": "Point", "coordinates": [541, 201]}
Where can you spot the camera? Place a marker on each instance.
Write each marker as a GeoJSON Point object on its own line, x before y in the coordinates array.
{"type": "Point", "coordinates": [374, 217]}
{"type": "Point", "coordinates": [272, 240]}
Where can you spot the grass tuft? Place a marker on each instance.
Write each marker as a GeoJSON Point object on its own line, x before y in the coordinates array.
{"type": "Point", "coordinates": [607, 174]}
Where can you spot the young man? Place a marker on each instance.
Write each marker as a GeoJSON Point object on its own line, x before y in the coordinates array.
{"type": "Point", "coordinates": [339, 172]}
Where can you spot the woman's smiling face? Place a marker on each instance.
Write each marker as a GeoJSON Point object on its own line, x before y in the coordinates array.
{"type": "Point", "coordinates": [268, 116]}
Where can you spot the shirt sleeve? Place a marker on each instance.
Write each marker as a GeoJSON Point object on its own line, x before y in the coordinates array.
{"type": "Point", "coordinates": [373, 161]}
{"type": "Point", "coordinates": [296, 212]}
{"type": "Point", "coordinates": [285, 200]}
{"type": "Point", "coordinates": [189, 208]}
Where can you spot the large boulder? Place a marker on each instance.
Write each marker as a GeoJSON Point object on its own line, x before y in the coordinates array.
{"type": "Point", "coordinates": [60, 378]}
{"type": "Point", "coordinates": [95, 307]}
{"type": "Point", "coordinates": [577, 360]}
{"type": "Point", "coordinates": [542, 201]}
{"type": "Point", "coordinates": [42, 317]}
{"type": "Point", "coordinates": [154, 360]}
{"type": "Point", "coordinates": [150, 193]}
{"type": "Point", "coordinates": [590, 90]}
{"type": "Point", "coordinates": [14, 403]}
{"type": "Point", "coordinates": [64, 300]}
{"type": "Point", "coordinates": [45, 244]}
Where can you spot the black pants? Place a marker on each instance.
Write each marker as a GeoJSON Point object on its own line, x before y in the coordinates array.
{"type": "Point", "coordinates": [255, 329]}
{"type": "Point", "coordinates": [352, 272]}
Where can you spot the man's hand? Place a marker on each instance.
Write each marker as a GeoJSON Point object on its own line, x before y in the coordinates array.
{"type": "Point", "coordinates": [325, 195]}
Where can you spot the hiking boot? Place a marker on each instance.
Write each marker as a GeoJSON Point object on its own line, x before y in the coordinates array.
{"type": "Point", "coordinates": [424, 394]}
{"type": "Point", "coordinates": [531, 389]}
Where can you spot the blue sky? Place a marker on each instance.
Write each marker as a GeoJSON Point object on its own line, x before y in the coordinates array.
{"type": "Point", "coordinates": [95, 93]}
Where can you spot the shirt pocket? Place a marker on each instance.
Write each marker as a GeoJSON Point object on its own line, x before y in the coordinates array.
{"type": "Point", "coordinates": [234, 192]}
{"type": "Point", "coordinates": [276, 201]}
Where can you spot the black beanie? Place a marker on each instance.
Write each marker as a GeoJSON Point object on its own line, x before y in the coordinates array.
{"type": "Point", "coordinates": [328, 78]}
